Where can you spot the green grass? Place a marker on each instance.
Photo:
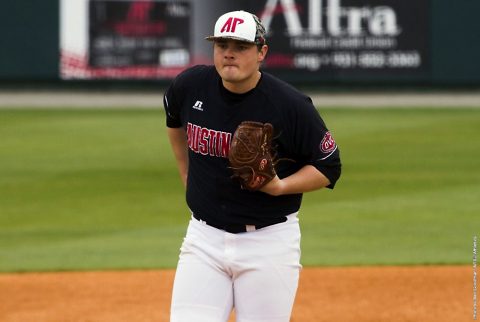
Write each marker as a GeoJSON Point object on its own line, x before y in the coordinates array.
{"type": "Point", "coordinates": [409, 192]}
{"type": "Point", "coordinates": [98, 189]}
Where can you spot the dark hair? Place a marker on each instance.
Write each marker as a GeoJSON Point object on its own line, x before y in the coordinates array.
{"type": "Point", "coordinates": [260, 46]}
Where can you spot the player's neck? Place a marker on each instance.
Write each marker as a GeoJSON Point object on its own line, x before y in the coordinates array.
{"type": "Point", "coordinates": [243, 86]}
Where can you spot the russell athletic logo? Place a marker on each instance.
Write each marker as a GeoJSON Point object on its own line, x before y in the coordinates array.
{"type": "Point", "coordinates": [198, 105]}
{"type": "Point", "coordinates": [231, 24]}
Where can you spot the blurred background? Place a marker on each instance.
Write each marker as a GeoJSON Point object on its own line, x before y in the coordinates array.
{"type": "Point", "coordinates": [332, 43]}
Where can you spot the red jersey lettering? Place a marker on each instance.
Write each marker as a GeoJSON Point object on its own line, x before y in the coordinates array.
{"type": "Point", "coordinates": [203, 144]}
{"type": "Point", "coordinates": [207, 141]}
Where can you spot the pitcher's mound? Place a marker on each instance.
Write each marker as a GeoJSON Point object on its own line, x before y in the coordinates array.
{"type": "Point", "coordinates": [373, 294]}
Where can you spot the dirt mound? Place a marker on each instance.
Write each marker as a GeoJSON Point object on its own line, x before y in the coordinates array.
{"type": "Point", "coordinates": [373, 294]}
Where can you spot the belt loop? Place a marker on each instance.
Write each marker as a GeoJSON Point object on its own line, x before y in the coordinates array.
{"type": "Point", "coordinates": [292, 216]}
{"type": "Point", "coordinates": [250, 228]}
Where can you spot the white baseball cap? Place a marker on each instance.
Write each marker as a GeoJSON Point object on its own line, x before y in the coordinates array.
{"type": "Point", "coordinates": [239, 25]}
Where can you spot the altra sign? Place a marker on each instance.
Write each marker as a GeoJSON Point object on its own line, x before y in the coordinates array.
{"type": "Point", "coordinates": [333, 19]}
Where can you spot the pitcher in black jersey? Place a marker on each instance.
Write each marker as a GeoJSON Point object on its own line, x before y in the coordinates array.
{"type": "Point", "coordinates": [242, 248]}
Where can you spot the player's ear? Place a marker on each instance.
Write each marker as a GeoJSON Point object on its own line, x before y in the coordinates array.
{"type": "Point", "coordinates": [262, 53]}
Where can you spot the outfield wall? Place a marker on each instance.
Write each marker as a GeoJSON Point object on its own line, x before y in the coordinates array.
{"type": "Point", "coordinates": [30, 42]}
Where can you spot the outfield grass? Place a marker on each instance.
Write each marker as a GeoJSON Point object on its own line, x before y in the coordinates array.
{"type": "Point", "coordinates": [98, 189]}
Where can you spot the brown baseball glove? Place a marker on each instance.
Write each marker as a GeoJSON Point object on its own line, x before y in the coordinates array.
{"type": "Point", "coordinates": [250, 155]}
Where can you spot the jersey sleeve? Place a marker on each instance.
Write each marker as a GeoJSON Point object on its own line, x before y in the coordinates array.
{"type": "Point", "coordinates": [178, 91]}
{"type": "Point", "coordinates": [172, 106]}
{"type": "Point", "coordinates": [315, 143]}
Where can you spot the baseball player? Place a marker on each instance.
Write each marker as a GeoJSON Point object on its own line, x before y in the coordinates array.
{"type": "Point", "coordinates": [242, 247]}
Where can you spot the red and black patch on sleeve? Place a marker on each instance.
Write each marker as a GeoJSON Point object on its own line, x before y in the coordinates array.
{"type": "Point", "coordinates": [328, 144]}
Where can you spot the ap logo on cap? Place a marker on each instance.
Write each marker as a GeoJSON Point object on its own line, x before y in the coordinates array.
{"type": "Point", "coordinates": [231, 25]}
{"type": "Point", "coordinates": [238, 25]}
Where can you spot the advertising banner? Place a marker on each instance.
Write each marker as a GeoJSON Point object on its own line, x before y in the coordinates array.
{"type": "Point", "coordinates": [308, 39]}
{"type": "Point", "coordinates": [350, 37]}
{"type": "Point", "coordinates": [125, 39]}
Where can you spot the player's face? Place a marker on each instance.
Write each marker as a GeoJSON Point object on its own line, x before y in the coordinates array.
{"type": "Point", "coordinates": [238, 63]}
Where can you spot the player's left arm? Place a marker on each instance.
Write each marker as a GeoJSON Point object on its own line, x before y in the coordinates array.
{"type": "Point", "coordinates": [308, 178]}
{"type": "Point", "coordinates": [314, 144]}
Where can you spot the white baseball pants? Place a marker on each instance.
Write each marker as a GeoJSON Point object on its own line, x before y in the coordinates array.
{"type": "Point", "coordinates": [256, 273]}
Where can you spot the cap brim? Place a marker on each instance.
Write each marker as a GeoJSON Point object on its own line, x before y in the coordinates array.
{"type": "Point", "coordinates": [213, 38]}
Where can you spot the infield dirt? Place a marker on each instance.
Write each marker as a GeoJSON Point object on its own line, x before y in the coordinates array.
{"type": "Point", "coordinates": [361, 294]}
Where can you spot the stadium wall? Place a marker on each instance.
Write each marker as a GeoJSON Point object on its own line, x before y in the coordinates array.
{"type": "Point", "coordinates": [30, 46]}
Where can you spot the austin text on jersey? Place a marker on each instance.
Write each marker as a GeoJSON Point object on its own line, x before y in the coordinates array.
{"type": "Point", "coordinates": [207, 141]}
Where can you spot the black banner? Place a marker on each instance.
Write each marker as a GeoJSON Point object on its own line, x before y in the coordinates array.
{"type": "Point", "coordinates": [308, 39]}
{"type": "Point", "coordinates": [347, 37]}
{"type": "Point", "coordinates": [135, 38]}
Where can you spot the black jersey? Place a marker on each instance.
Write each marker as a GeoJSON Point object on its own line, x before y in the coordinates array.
{"type": "Point", "coordinates": [197, 101]}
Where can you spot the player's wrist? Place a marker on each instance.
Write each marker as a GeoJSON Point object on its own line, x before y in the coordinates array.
{"type": "Point", "coordinates": [280, 187]}
{"type": "Point", "coordinates": [275, 187]}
